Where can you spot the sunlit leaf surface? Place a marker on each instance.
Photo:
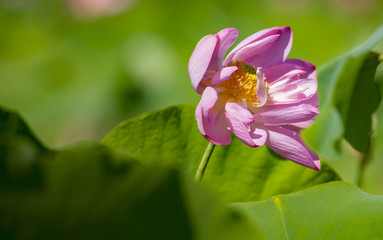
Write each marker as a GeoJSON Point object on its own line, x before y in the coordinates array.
{"type": "Point", "coordinates": [237, 172]}
{"type": "Point", "coordinates": [335, 210]}
{"type": "Point", "coordinates": [87, 191]}
{"type": "Point", "coordinates": [349, 96]}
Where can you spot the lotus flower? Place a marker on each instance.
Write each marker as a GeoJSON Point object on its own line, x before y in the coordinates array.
{"type": "Point", "coordinates": [255, 92]}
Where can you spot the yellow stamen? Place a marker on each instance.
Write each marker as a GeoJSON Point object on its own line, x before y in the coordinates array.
{"type": "Point", "coordinates": [242, 84]}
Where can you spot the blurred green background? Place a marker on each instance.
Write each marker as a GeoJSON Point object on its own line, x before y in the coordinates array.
{"type": "Point", "coordinates": [76, 68]}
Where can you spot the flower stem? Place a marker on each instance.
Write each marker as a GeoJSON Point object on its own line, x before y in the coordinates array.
{"type": "Point", "coordinates": [204, 162]}
{"type": "Point", "coordinates": [362, 167]}
{"type": "Point", "coordinates": [365, 159]}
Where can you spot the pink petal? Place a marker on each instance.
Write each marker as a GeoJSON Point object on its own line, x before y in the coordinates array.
{"type": "Point", "coordinates": [240, 112]}
{"type": "Point", "coordinates": [247, 53]}
{"type": "Point", "coordinates": [290, 82]}
{"type": "Point", "coordinates": [284, 71]}
{"type": "Point", "coordinates": [201, 58]}
{"type": "Point", "coordinates": [208, 55]}
{"type": "Point", "coordinates": [211, 119]}
{"type": "Point", "coordinates": [261, 88]}
{"type": "Point", "coordinates": [290, 145]}
{"type": "Point", "coordinates": [256, 36]}
{"type": "Point", "coordinates": [264, 48]}
{"type": "Point", "coordinates": [312, 100]}
{"type": "Point", "coordinates": [240, 119]}
{"type": "Point", "coordinates": [297, 127]}
{"type": "Point", "coordinates": [287, 115]}
{"type": "Point", "coordinates": [259, 135]}
{"type": "Point", "coordinates": [226, 38]}
{"type": "Point", "coordinates": [223, 75]}
{"type": "Point", "coordinates": [207, 102]}
{"type": "Point", "coordinates": [305, 65]}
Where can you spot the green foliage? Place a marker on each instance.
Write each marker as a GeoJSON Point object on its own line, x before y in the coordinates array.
{"type": "Point", "coordinates": [58, 69]}
{"type": "Point", "coordinates": [358, 104]}
{"type": "Point", "coordinates": [335, 210]}
{"type": "Point", "coordinates": [349, 96]}
{"type": "Point", "coordinates": [138, 184]}
{"type": "Point", "coordinates": [88, 191]}
{"type": "Point", "coordinates": [19, 152]}
{"type": "Point", "coordinates": [237, 172]}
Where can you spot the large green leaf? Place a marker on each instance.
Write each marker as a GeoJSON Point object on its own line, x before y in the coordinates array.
{"type": "Point", "coordinates": [237, 172]}
{"type": "Point", "coordinates": [336, 210]}
{"type": "Point", "coordinates": [349, 97]}
{"type": "Point", "coordinates": [19, 152]}
{"type": "Point", "coordinates": [88, 191]}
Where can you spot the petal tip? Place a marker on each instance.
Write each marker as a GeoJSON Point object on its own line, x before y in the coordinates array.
{"type": "Point", "coordinates": [232, 30]}
{"type": "Point", "coordinates": [317, 165]}
{"type": "Point", "coordinates": [286, 28]}
{"type": "Point", "coordinates": [201, 58]}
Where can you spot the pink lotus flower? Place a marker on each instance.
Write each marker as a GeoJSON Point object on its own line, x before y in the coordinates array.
{"type": "Point", "coordinates": [255, 92]}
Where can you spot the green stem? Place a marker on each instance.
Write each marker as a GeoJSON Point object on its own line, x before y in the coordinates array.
{"type": "Point", "coordinates": [365, 159]}
{"type": "Point", "coordinates": [362, 167]}
{"type": "Point", "coordinates": [204, 162]}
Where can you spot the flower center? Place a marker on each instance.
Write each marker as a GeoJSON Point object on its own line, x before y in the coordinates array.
{"type": "Point", "coordinates": [243, 83]}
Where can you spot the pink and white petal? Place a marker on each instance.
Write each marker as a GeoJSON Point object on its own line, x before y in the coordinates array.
{"type": "Point", "coordinates": [222, 75]}
{"type": "Point", "coordinates": [253, 49]}
{"type": "Point", "coordinates": [227, 37]}
{"type": "Point", "coordinates": [311, 72]}
{"type": "Point", "coordinates": [274, 46]}
{"type": "Point", "coordinates": [292, 93]}
{"type": "Point", "coordinates": [207, 102]}
{"type": "Point", "coordinates": [283, 72]}
{"type": "Point", "coordinates": [244, 133]}
{"type": "Point", "coordinates": [211, 120]}
{"type": "Point", "coordinates": [290, 145]}
{"type": "Point", "coordinates": [297, 127]}
{"type": "Point", "coordinates": [240, 119]}
{"type": "Point", "coordinates": [250, 52]}
{"type": "Point", "coordinates": [292, 80]}
{"type": "Point", "coordinates": [261, 88]}
{"type": "Point", "coordinates": [203, 56]}
{"type": "Point", "coordinates": [240, 112]}
{"type": "Point", "coordinates": [287, 115]}
{"type": "Point", "coordinates": [212, 104]}
{"type": "Point", "coordinates": [258, 134]}
{"type": "Point", "coordinates": [218, 133]}
{"type": "Point", "coordinates": [305, 65]}
{"type": "Point", "coordinates": [312, 100]}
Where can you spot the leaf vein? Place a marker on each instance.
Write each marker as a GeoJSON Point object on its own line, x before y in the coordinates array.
{"type": "Point", "coordinates": [278, 204]}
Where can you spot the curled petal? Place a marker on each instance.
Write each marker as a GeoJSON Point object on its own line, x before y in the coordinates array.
{"type": "Point", "coordinates": [310, 68]}
{"type": "Point", "coordinates": [240, 119]}
{"type": "Point", "coordinates": [287, 115]}
{"type": "Point", "coordinates": [227, 37]}
{"type": "Point", "coordinates": [240, 112]}
{"type": "Point", "coordinates": [312, 100]}
{"type": "Point", "coordinates": [291, 81]}
{"type": "Point", "coordinates": [283, 72]}
{"type": "Point", "coordinates": [264, 48]}
{"type": "Point", "coordinates": [201, 58]}
{"type": "Point", "coordinates": [297, 127]}
{"type": "Point", "coordinates": [207, 102]}
{"type": "Point", "coordinates": [259, 135]}
{"type": "Point", "coordinates": [290, 145]}
{"type": "Point", "coordinates": [261, 88]}
{"type": "Point", "coordinates": [211, 118]}
{"type": "Point", "coordinates": [223, 75]}
{"type": "Point", "coordinates": [208, 55]}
